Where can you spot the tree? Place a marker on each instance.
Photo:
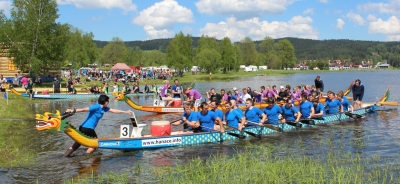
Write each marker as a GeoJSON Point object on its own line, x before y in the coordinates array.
{"type": "Point", "coordinates": [249, 52]}
{"type": "Point", "coordinates": [206, 42]}
{"type": "Point", "coordinates": [153, 58]}
{"type": "Point", "coordinates": [115, 51]}
{"type": "Point", "coordinates": [267, 48]}
{"type": "Point", "coordinates": [36, 42]}
{"type": "Point", "coordinates": [134, 56]}
{"type": "Point", "coordinates": [286, 53]}
{"type": "Point", "coordinates": [238, 58]}
{"type": "Point", "coordinates": [209, 60]}
{"type": "Point", "coordinates": [80, 49]}
{"type": "Point", "coordinates": [227, 54]}
{"type": "Point", "coordinates": [180, 52]}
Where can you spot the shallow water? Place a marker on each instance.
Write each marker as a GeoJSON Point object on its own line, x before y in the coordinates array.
{"type": "Point", "coordinates": [376, 134]}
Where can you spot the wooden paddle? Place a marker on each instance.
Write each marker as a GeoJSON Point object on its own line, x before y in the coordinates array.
{"type": "Point", "coordinates": [392, 103]}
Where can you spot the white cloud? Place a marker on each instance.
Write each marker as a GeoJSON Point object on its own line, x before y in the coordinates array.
{"type": "Point", "coordinates": [356, 18]}
{"type": "Point", "coordinates": [125, 5]}
{"type": "Point", "coordinates": [371, 18]}
{"type": "Point", "coordinates": [5, 6]}
{"type": "Point", "coordinates": [159, 18]}
{"type": "Point", "coordinates": [242, 9]}
{"type": "Point", "coordinates": [309, 11]}
{"type": "Point", "coordinates": [392, 7]}
{"type": "Point", "coordinates": [391, 28]}
{"type": "Point", "coordinates": [323, 1]}
{"type": "Point", "coordinates": [339, 24]}
{"type": "Point", "coordinates": [98, 18]}
{"type": "Point", "coordinates": [236, 30]}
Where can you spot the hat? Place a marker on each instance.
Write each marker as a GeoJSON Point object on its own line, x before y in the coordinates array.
{"type": "Point", "coordinates": [234, 88]}
{"type": "Point", "coordinates": [282, 87]}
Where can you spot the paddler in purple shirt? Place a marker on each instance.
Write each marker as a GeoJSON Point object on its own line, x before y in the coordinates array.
{"type": "Point", "coordinates": [163, 90]}
{"type": "Point", "coordinates": [192, 95]}
{"type": "Point", "coordinates": [262, 95]}
{"type": "Point", "coordinates": [224, 96]}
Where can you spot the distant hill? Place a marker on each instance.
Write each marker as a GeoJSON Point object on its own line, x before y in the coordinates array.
{"type": "Point", "coordinates": [304, 48]}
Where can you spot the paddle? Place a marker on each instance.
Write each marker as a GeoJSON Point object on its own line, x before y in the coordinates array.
{"type": "Point", "coordinates": [297, 125]}
{"type": "Point", "coordinates": [240, 136]}
{"type": "Point", "coordinates": [352, 115]}
{"type": "Point", "coordinates": [268, 126]}
{"type": "Point", "coordinates": [318, 118]}
{"type": "Point", "coordinates": [308, 121]}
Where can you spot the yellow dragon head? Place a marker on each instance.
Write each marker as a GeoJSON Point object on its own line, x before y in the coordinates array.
{"type": "Point", "coordinates": [120, 96]}
{"type": "Point", "coordinates": [50, 121]}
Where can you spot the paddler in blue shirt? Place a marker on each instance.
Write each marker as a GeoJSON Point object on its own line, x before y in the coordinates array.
{"type": "Point", "coordinates": [235, 107]}
{"type": "Point", "coordinates": [272, 111]}
{"type": "Point", "coordinates": [96, 112]}
{"type": "Point", "coordinates": [332, 105]}
{"type": "Point", "coordinates": [218, 112]}
{"type": "Point", "coordinates": [208, 118]}
{"type": "Point", "coordinates": [306, 107]}
{"type": "Point", "coordinates": [319, 109]}
{"type": "Point", "coordinates": [290, 113]}
{"type": "Point", "coordinates": [343, 100]}
{"type": "Point", "coordinates": [190, 119]}
{"type": "Point", "coordinates": [233, 118]}
{"type": "Point", "coordinates": [253, 114]}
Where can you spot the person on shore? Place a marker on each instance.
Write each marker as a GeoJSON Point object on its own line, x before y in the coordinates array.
{"type": "Point", "coordinates": [233, 118]}
{"type": "Point", "coordinates": [306, 107]}
{"type": "Point", "coordinates": [24, 82]}
{"type": "Point", "coordinates": [3, 88]}
{"type": "Point", "coordinates": [290, 113]}
{"type": "Point", "coordinates": [29, 88]}
{"type": "Point", "coordinates": [88, 126]}
{"type": "Point", "coordinates": [56, 86]}
{"type": "Point", "coordinates": [208, 120]}
{"type": "Point", "coordinates": [94, 89]}
{"type": "Point", "coordinates": [358, 94]}
{"type": "Point", "coordinates": [253, 114]}
{"type": "Point", "coordinates": [190, 119]}
{"type": "Point", "coordinates": [272, 111]}
{"type": "Point", "coordinates": [332, 105]}
{"type": "Point", "coordinates": [319, 84]}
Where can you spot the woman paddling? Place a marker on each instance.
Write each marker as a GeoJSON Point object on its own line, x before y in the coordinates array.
{"type": "Point", "coordinates": [290, 113]}
{"type": "Point", "coordinates": [272, 111]}
{"type": "Point", "coordinates": [87, 127]}
{"type": "Point", "coordinates": [306, 107]}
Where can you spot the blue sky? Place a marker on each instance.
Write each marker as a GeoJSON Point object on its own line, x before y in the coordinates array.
{"type": "Point", "coordinates": [314, 19]}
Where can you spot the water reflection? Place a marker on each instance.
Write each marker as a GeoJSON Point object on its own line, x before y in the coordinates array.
{"type": "Point", "coordinates": [375, 134]}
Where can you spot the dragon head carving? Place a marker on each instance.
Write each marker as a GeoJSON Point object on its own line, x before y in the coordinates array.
{"type": "Point", "coordinates": [120, 97]}
{"type": "Point", "coordinates": [50, 121]}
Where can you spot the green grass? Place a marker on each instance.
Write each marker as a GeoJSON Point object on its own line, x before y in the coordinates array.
{"type": "Point", "coordinates": [15, 149]}
{"type": "Point", "coordinates": [263, 164]}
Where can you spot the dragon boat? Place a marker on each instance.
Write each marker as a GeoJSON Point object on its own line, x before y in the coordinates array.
{"type": "Point", "coordinates": [57, 122]}
{"type": "Point", "coordinates": [71, 96]}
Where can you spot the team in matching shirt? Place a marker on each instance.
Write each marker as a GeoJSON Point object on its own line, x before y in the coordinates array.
{"type": "Point", "coordinates": [214, 119]}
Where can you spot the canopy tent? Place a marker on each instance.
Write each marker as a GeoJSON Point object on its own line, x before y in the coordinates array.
{"type": "Point", "coordinates": [120, 66]}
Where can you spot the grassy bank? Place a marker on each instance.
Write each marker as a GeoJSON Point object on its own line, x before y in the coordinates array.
{"type": "Point", "coordinates": [14, 147]}
{"type": "Point", "coordinates": [263, 164]}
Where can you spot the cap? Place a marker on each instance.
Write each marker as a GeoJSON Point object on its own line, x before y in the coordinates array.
{"type": "Point", "coordinates": [234, 88]}
{"type": "Point", "coordinates": [282, 87]}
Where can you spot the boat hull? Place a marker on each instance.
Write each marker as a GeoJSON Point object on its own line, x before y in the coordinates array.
{"type": "Point", "coordinates": [78, 96]}
{"type": "Point", "coordinates": [211, 137]}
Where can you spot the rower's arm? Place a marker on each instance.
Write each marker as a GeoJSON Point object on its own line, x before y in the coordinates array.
{"type": "Point", "coordinates": [312, 112]}
{"type": "Point", "coordinates": [299, 116]}
{"type": "Point", "coordinates": [263, 118]}
{"type": "Point", "coordinates": [221, 125]}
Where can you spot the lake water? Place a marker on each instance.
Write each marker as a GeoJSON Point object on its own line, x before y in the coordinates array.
{"type": "Point", "coordinates": [377, 134]}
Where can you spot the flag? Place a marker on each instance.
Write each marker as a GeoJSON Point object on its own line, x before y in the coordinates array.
{"type": "Point", "coordinates": [5, 95]}
{"type": "Point", "coordinates": [385, 97]}
{"type": "Point", "coordinates": [348, 90]}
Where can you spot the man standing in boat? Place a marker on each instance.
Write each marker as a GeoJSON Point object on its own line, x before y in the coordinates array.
{"type": "Point", "coordinates": [358, 93]}
{"type": "Point", "coordinates": [56, 85]}
{"type": "Point", "coordinates": [87, 127]}
{"type": "Point", "coordinates": [319, 84]}
{"type": "Point", "coordinates": [176, 92]}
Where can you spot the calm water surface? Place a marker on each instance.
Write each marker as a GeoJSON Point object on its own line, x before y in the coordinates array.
{"type": "Point", "coordinates": [377, 134]}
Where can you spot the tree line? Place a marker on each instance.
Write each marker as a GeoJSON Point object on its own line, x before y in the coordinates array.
{"type": "Point", "coordinates": [37, 43]}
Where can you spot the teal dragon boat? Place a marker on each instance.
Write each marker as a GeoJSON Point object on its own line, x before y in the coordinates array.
{"type": "Point", "coordinates": [59, 123]}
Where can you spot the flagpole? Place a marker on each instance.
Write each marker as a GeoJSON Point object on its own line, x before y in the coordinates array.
{"type": "Point", "coordinates": [7, 96]}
